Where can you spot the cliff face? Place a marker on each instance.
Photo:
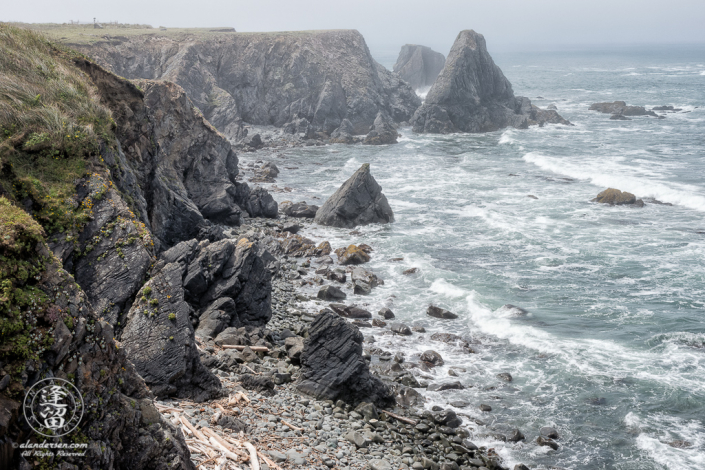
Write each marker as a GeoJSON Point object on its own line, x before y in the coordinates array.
{"type": "Point", "coordinates": [471, 94]}
{"type": "Point", "coordinates": [267, 78]}
{"type": "Point", "coordinates": [419, 65]}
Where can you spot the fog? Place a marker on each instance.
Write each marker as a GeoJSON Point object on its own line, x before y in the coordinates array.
{"type": "Point", "coordinates": [506, 24]}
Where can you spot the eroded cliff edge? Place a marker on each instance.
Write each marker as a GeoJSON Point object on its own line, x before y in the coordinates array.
{"type": "Point", "coordinates": [298, 80]}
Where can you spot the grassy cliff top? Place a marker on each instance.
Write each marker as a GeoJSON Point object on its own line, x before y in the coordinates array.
{"type": "Point", "coordinates": [86, 34]}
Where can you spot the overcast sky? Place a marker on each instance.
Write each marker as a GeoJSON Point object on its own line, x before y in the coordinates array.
{"type": "Point", "coordinates": [506, 24]}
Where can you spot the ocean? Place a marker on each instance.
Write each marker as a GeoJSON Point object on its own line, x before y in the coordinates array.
{"type": "Point", "coordinates": [612, 351]}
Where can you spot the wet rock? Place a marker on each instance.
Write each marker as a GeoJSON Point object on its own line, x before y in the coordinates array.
{"type": "Point", "coordinates": [442, 386]}
{"type": "Point", "coordinates": [520, 466]}
{"type": "Point", "coordinates": [410, 271]}
{"type": "Point", "coordinates": [337, 275]}
{"type": "Point", "coordinates": [332, 366]}
{"type": "Point", "coordinates": [621, 108]}
{"type": "Point", "coordinates": [447, 418]}
{"type": "Point", "coordinates": [261, 204]}
{"type": "Point", "coordinates": [359, 201]}
{"type": "Point", "coordinates": [369, 278]}
{"type": "Point", "coordinates": [331, 293]}
{"type": "Point", "coordinates": [549, 432]}
{"type": "Point", "coordinates": [544, 441]}
{"type": "Point", "coordinates": [400, 329]}
{"type": "Point", "coordinates": [254, 141]}
{"type": "Point", "coordinates": [361, 288]}
{"type": "Point", "coordinates": [516, 436]}
{"type": "Point", "coordinates": [353, 255]}
{"type": "Point", "coordinates": [616, 197]}
{"type": "Point", "coordinates": [485, 408]}
{"type": "Point", "coordinates": [298, 209]}
{"type": "Point", "coordinates": [506, 376]}
{"type": "Point", "coordinates": [386, 313]}
{"type": "Point", "coordinates": [291, 227]}
{"type": "Point", "coordinates": [432, 358]}
{"type": "Point", "coordinates": [437, 312]}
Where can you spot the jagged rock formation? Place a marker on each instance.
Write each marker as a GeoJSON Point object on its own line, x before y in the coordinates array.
{"type": "Point", "coordinates": [332, 366]}
{"type": "Point", "coordinates": [179, 173]}
{"type": "Point", "coordinates": [383, 132]}
{"type": "Point", "coordinates": [121, 426]}
{"type": "Point", "coordinates": [304, 79]}
{"type": "Point", "coordinates": [471, 94]}
{"type": "Point", "coordinates": [359, 201]}
{"type": "Point", "coordinates": [419, 65]}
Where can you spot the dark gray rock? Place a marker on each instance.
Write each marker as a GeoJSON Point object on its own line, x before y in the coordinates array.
{"type": "Point", "coordinates": [432, 358]}
{"type": "Point", "coordinates": [294, 347]}
{"type": "Point", "coordinates": [361, 288]}
{"type": "Point", "coordinates": [343, 134]}
{"type": "Point", "coordinates": [506, 376]}
{"type": "Point", "coordinates": [331, 293]}
{"type": "Point", "coordinates": [549, 432]}
{"type": "Point", "coordinates": [258, 383]}
{"type": "Point", "coordinates": [386, 313]}
{"type": "Point", "coordinates": [471, 94]}
{"type": "Point", "coordinates": [400, 329]}
{"type": "Point", "coordinates": [350, 311]}
{"type": "Point", "coordinates": [261, 204]}
{"type": "Point", "coordinates": [620, 108]}
{"type": "Point", "coordinates": [332, 366]}
{"type": "Point", "coordinates": [419, 65]}
{"type": "Point", "coordinates": [441, 386]}
{"type": "Point", "coordinates": [359, 201]}
{"type": "Point", "coordinates": [299, 209]}
{"type": "Point", "coordinates": [160, 341]}
{"type": "Point", "coordinates": [516, 436]}
{"type": "Point", "coordinates": [544, 441]}
{"type": "Point", "coordinates": [254, 141]}
{"type": "Point", "coordinates": [437, 312]}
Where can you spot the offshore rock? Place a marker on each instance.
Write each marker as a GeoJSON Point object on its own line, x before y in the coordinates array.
{"type": "Point", "coordinates": [620, 108]}
{"type": "Point", "coordinates": [615, 197]}
{"type": "Point", "coordinates": [359, 201]}
{"type": "Point", "coordinates": [471, 94]}
{"type": "Point", "coordinates": [383, 132]}
{"type": "Point", "coordinates": [332, 366]}
{"type": "Point", "coordinates": [298, 209]}
{"type": "Point", "coordinates": [322, 77]}
{"type": "Point", "coordinates": [419, 65]}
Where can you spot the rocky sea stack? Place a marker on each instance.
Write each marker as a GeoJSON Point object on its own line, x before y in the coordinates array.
{"type": "Point", "coordinates": [359, 201]}
{"type": "Point", "coordinates": [419, 65]}
{"type": "Point", "coordinates": [471, 94]}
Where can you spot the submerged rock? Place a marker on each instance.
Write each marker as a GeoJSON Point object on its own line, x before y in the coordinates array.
{"type": "Point", "coordinates": [620, 108]}
{"type": "Point", "coordinates": [419, 65]}
{"type": "Point", "coordinates": [471, 94]}
{"type": "Point", "coordinates": [332, 366]}
{"type": "Point", "coordinates": [359, 201]}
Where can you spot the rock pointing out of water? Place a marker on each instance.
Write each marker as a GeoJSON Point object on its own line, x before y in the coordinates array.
{"type": "Point", "coordinates": [615, 197]}
{"type": "Point", "coordinates": [359, 201]}
{"type": "Point", "coordinates": [620, 108]}
{"type": "Point", "coordinates": [471, 94]}
{"type": "Point", "coordinates": [419, 65]}
{"type": "Point", "coordinates": [332, 366]}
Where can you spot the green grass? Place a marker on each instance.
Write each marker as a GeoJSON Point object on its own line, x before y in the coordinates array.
{"type": "Point", "coordinates": [51, 127]}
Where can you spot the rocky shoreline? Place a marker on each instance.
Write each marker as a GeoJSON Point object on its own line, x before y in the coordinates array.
{"type": "Point", "coordinates": [295, 430]}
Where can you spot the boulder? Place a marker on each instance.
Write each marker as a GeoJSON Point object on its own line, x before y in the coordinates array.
{"type": "Point", "coordinates": [383, 132]}
{"type": "Point", "coordinates": [386, 313]}
{"type": "Point", "coordinates": [400, 329]}
{"type": "Point", "coordinates": [261, 204]}
{"type": "Point", "coordinates": [471, 94]}
{"type": "Point", "coordinates": [294, 347]}
{"type": "Point", "coordinates": [437, 312]}
{"type": "Point", "coordinates": [419, 65]}
{"type": "Point", "coordinates": [331, 293]}
{"type": "Point", "coordinates": [350, 311]}
{"type": "Point", "coordinates": [442, 386]}
{"type": "Point", "coordinates": [615, 197]}
{"type": "Point", "coordinates": [333, 368]}
{"type": "Point", "coordinates": [361, 288]}
{"type": "Point", "coordinates": [359, 201]}
{"type": "Point", "coordinates": [298, 209]}
{"type": "Point", "coordinates": [353, 255]}
{"type": "Point", "coordinates": [432, 358]}
{"type": "Point", "coordinates": [544, 441]}
{"type": "Point", "coordinates": [368, 277]}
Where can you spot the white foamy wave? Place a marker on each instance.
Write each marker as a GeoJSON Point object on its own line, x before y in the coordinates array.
{"type": "Point", "coordinates": [507, 138]}
{"type": "Point", "coordinates": [441, 286]}
{"type": "Point", "coordinates": [422, 92]}
{"type": "Point", "coordinates": [621, 178]}
{"type": "Point", "coordinates": [673, 442]}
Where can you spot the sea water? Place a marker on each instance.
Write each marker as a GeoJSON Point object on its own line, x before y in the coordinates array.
{"type": "Point", "coordinates": [612, 351]}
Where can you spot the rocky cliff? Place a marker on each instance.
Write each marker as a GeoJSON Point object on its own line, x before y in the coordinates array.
{"type": "Point", "coordinates": [419, 65]}
{"type": "Point", "coordinates": [295, 79]}
{"type": "Point", "coordinates": [99, 177]}
{"type": "Point", "coordinates": [471, 94]}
